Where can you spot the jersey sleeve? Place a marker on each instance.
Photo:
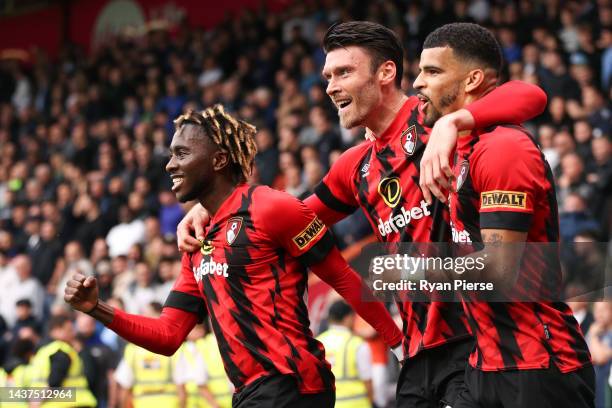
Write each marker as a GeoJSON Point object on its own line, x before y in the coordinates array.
{"type": "Point", "coordinates": [513, 102]}
{"type": "Point", "coordinates": [301, 233]}
{"type": "Point", "coordinates": [325, 213]}
{"type": "Point", "coordinates": [185, 294]}
{"type": "Point", "coordinates": [506, 169]}
{"type": "Point", "coordinates": [336, 189]}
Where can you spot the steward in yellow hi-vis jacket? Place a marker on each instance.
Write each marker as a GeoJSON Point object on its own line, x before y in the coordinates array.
{"type": "Point", "coordinates": [208, 385]}
{"type": "Point", "coordinates": [350, 358]}
{"type": "Point", "coordinates": [3, 378]}
{"type": "Point", "coordinates": [58, 364]}
{"type": "Point", "coordinates": [151, 380]}
{"type": "Point", "coordinates": [18, 369]}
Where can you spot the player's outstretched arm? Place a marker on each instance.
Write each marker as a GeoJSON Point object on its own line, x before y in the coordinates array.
{"type": "Point", "coordinates": [335, 271]}
{"type": "Point", "coordinates": [511, 103]}
{"type": "Point", "coordinates": [304, 236]}
{"type": "Point", "coordinates": [514, 102]}
{"type": "Point", "coordinates": [162, 335]}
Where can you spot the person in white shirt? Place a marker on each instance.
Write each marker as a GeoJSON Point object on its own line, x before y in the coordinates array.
{"type": "Point", "coordinates": [23, 287]}
{"type": "Point", "coordinates": [142, 291]}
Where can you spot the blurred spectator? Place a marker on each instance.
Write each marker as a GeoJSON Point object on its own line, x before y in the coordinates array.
{"type": "Point", "coordinates": [572, 179]}
{"type": "Point", "coordinates": [574, 217]}
{"type": "Point", "coordinates": [142, 291]}
{"type": "Point", "coordinates": [167, 275]}
{"type": "Point", "coordinates": [91, 222]}
{"type": "Point", "coordinates": [98, 359]}
{"type": "Point", "coordinates": [599, 339]}
{"type": "Point", "coordinates": [321, 134]}
{"type": "Point", "coordinates": [105, 279]}
{"type": "Point", "coordinates": [25, 317]}
{"type": "Point", "coordinates": [266, 158]}
{"type": "Point", "coordinates": [123, 235]}
{"type": "Point", "coordinates": [575, 294]}
{"type": "Point", "coordinates": [350, 357]}
{"type": "Point", "coordinates": [546, 134]}
{"type": "Point", "coordinates": [600, 176]}
{"type": "Point", "coordinates": [24, 287]}
{"type": "Point", "coordinates": [17, 366]}
{"type": "Point", "coordinates": [170, 213]}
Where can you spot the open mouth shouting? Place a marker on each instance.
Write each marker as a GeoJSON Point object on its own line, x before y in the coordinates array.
{"type": "Point", "coordinates": [342, 104]}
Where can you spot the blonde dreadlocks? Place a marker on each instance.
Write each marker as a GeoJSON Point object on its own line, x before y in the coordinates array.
{"type": "Point", "coordinates": [232, 135]}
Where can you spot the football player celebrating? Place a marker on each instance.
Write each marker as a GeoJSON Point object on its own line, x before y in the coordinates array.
{"type": "Point", "coordinates": [364, 68]}
{"type": "Point", "coordinates": [248, 275]}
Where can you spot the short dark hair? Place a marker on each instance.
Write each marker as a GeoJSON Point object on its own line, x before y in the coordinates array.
{"type": "Point", "coordinates": [22, 347]}
{"type": "Point", "coordinates": [58, 321]}
{"type": "Point", "coordinates": [24, 302]}
{"type": "Point", "coordinates": [338, 311]}
{"type": "Point", "coordinates": [469, 42]}
{"type": "Point", "coordinates": [380, 42]}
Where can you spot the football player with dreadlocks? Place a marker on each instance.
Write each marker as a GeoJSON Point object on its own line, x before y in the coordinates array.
{"type": "Point", "coordinates": [249, 276]}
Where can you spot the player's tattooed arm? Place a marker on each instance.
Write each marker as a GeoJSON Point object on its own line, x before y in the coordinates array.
{"type": "Point", "coordinates": [492, 237]}
{"type": "Point", "coordinates": [501, 257]}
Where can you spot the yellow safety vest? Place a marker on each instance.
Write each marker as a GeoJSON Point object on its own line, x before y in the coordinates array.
{"type": "Point", "coordinates": [19, 377]}
{"type": "Point", "coordinates": [153, 381]}
{"type": "Point", "coordinates": [194, 399]}
{"type": "Point", "coordinates": [341, 351]}
{"type": "Point", "coordinates": [218, 383]}
{"type": "Point", "coordinates": [41, 368]}
{"type": "Point", "coordinates": [3, 378]}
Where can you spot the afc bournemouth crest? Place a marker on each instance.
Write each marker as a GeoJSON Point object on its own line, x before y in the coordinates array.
{"type": "Point", "coordinates": [463, 173]}
{"type": "Point", "coordinates": [409, 140]}
{"type": "Point", "coordinates": [232, 229]}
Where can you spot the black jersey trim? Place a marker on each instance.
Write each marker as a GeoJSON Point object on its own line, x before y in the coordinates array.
{"type": "Point", "coordinates": [508, 220]}
{"type": "Point", "coordinates": [318, 251]}
{"type": "Point", "coordinates": [327, 197]}
{"type": "Point", "coordinates": [187, 302]}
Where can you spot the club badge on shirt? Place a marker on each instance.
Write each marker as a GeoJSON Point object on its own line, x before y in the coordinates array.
{"type": "Point", "coordinates": [408, 139]}
{"type": "Point", "coordinates": [232, 229]}
{"type": "Point", "coordinates": [463, 173]}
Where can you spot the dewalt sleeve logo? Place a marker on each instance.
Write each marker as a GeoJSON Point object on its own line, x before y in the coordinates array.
{"type": "Point", "coordinates": [312, 231]}
{"type": "Point", "coordinates": [503, 199]}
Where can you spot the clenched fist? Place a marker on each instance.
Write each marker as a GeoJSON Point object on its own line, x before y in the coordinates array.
{"type": "Point", "coordinates": [82, 293]}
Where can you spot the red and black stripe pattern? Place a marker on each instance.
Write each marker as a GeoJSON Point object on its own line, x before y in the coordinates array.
{"type": "Point", "coordinates": [382, 178]}
{"type": "Point", "coordinates": [251, 272]}
{"type": "Point", "coordinates": [509, 186]}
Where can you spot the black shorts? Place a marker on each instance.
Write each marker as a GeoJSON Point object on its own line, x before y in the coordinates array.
{"type": "Point", "coordinates": [434, 377]}
{"type": "Point", "coordinates": [280, 391]}
{"type": "Point", "coordinates": [541, 388]}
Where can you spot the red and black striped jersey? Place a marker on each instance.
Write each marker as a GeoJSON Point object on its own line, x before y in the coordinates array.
{"type": "Point", "coordinates": [250, 276]}
{"type": "Point", "coordinates": [504, 182]}
{"type": "Point", "coordinates": [382, 178]}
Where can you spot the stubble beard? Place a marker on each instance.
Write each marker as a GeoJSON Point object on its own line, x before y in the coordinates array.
{"type": "Point", "coordinates": [445, 101]}
{"type": "Point", "coordinates": [363, 97]}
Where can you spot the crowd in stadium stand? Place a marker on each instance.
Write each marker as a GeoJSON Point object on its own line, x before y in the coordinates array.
{"type": "Point", "coordinates": [84, 140]}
